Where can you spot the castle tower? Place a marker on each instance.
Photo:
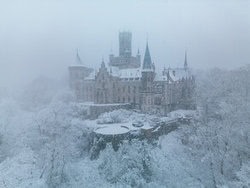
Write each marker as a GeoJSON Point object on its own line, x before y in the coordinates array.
{"type": "Point", "coordinates": [125, 46]}
{"type": "Point", "coordinates": [125, 60]}
{"type": "Point", "coordinates": [148, 75]}
{"type": "Point", "coordinates": [148, 72]}
{"type": "Point", "coordinates": [77, 73]}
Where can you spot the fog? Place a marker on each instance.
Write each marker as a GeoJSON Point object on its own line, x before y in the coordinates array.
{"type": "Point", "coordinates": [40, 37]}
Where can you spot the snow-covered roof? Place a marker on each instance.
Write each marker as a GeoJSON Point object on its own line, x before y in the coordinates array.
{"type": "Point", "coordinates": [160, 77]}
{"type": "Point", "coordinates": [130, 73]}
{"type": "Point", "coordinates": [136, 73]}
{"type": "Point", "coordinates": [76, 65]}
{"type": "Point", "coordinates": [127, 120]}
{"type": "Point", "coordinates": [174, 73]}
{"type": "Point", "coordinates": [112, 129]}
{"type": "Point", "coordinates": [179, 73]}
{"type": "Point", "coordinates": [125, 73]}
{"type": "Point", "coordinates": [91, 76]}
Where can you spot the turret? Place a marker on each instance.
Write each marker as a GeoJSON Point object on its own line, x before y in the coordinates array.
{"type": "Point", "coordinates": [103, 64]}
{"type": "Point", "coordinates": [77, 73]}
{"type": "Point", "coordinates": [77, 70]}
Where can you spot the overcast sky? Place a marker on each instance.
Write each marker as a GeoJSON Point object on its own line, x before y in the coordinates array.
{"type": "Point", "coordinates": [40, 37]}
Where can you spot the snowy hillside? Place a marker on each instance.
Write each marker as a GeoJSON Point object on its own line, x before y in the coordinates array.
{"type": "Point", "coordinates": [52, 145]}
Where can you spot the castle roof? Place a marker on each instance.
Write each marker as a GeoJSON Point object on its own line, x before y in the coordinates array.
{"type": "Point", "coordinates": [78, 61]}
{"type": "Point", "coordinates": [125, 73]}
{"type": "Point", "coordinates": [91, 76]}
{"type": "Point", "coordinates": [173, 74]}
{"type": "Point", "coordinates": [170, 74]}
{"type": "Point", "coordinates": [147, 63]}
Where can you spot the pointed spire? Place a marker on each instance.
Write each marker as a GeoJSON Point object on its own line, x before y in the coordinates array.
{"type": "Point", "coordinates": [111, 49]}
{"type": "Point", "coordinates": [185, 61]}
{"type": "Point", "coordinates": [103, 64]}
{"type": "Point", "coordinates": [78, 59]}
{"type": "Point", "coordinates": [147, 63]}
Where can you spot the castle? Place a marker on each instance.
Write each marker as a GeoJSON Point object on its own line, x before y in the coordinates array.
{"type": "Point", "coordinates": [125, 81]}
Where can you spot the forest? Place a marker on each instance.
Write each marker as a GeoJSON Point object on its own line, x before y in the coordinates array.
{"type": "Point", "coordinates": [45, 140]}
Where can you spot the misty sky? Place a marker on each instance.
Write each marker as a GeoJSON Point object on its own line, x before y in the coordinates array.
{"type": "Point", "coordinates": [40, 37]}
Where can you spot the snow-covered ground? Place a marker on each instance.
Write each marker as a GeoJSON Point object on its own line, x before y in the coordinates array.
{"type": "Point", "coordinates": [51, 145]}
{"type": "Point", "coordinates": [124, 121]}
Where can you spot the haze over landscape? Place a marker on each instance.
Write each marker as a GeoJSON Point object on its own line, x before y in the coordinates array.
{"type": "Point", "coordinates": [41, 37]}
{"type": "Point", "coordinates": [174, 115]}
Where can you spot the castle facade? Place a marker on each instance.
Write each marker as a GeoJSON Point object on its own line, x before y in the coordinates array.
{"type": "Point", "coordinates": [126, 81]}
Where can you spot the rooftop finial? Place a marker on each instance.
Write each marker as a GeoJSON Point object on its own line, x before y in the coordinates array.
{"type": "Point", "coordinates": [78, 59]}
{"type": "Point", "coordinates": [185, 61]}
{"type": "Point", "coordinates": [103, 64]}
{"type": "Point", "coordinates": [111, 48]}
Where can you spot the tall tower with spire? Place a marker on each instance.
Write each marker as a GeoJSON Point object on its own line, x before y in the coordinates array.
{"type": "Point", "coordinates": [148, 72]}
{"type": "Point", "coordinates": [147, 80]}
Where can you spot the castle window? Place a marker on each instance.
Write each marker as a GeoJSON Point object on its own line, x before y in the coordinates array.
{"type": "Point", "coordinates": [128, 89]}
{"type": "Point", "coordinates": [119, 99]}
{"type": "Point", "coordinates": [134, 89]}
{"type": "Point", "coordinates": [123, 99]}
{"type": "Point", "coordinates": [124, 88]}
